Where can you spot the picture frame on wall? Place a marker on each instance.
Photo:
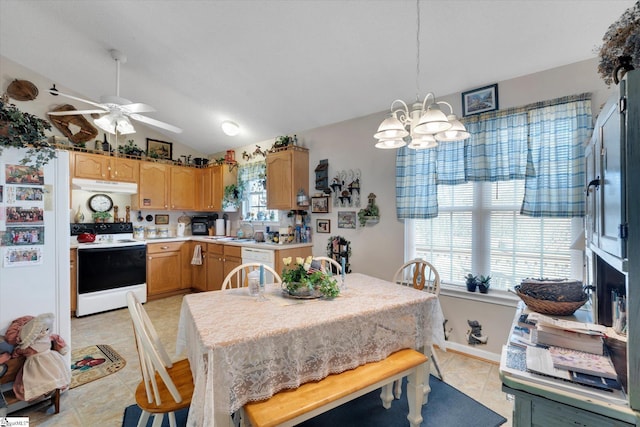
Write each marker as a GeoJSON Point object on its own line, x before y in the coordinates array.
{"type": "Point", "coordinates": [320, 204]}
{"type": "Point", "coordinates": [323, 226]}
{"type": "Point", "coordinates": [162, 219]}
{"type": "Point", "coordinates": [347, 219]}
{"type": "Point", "coordinates": [159, 149]}
{"type": "Point", "coordinates": [480, 100]}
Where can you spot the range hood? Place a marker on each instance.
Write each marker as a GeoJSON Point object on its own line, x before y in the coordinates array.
{"type": "Point", "coordinates": [104, 186]}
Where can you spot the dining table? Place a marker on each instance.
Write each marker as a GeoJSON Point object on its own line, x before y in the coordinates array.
{"type": "Point", "coordinates": [242, 348]}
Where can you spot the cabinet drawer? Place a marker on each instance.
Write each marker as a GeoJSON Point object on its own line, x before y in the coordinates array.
{"type": "Point", "coordinates": [155, 248]}
{"type": "Point", "coordinates": [214, 248]}
{"type": "Point", "coordinates": [235, 251]}
{"type": "Point", "coordinates": [551, 413]}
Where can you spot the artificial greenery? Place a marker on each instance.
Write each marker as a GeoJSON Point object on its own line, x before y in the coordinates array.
{"type": "Point", "coordinates": [23, 130]}
{"type": "Point", "coordinates": [231, 197]}
{"type": "Point", "coordinates": [285, 141]}
{"type": "Point", "coordinates": [621, 44]}
{"type": "Point", "coordinates": [131, 149]}
{"type": "Point", "coordinates": [302, 276]}
{"type": "Point", "coordinates": [100, 216]}
{"type": "Point", "coordinates": [371, 211]}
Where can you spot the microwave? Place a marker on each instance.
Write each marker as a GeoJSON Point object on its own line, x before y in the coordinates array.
{"type": "Point", "coordinates": [199, 225]}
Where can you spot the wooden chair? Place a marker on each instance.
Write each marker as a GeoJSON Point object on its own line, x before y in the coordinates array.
{"type": "Point", "coordinates": [328, 264]}
{"type": "Point", "coordinates": [421, 275]}
{"type": "Point", "coordinates": [166, 387]}
{"type": "Point", "coordinates": [239, 276]}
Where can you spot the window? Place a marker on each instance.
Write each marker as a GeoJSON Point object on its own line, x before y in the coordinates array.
{"type": "Point", "coordinates": [254, 203]}
{"type": "Point", "coordinates": [479, 230]}
{"type": "Point", "coordinates": [251, 179]}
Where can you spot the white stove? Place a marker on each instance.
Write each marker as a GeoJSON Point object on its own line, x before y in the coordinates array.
{"type": "Point", "coordinates": [109, 267]}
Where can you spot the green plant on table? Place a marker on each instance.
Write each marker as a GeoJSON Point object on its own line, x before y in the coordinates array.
{"type": "Point", "coordinates": [301, 275]}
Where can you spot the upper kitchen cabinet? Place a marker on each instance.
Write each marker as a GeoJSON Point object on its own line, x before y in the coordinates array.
{"type": "Point", "coordinates": [108, 168]}
{"type": "Point", "coordinates": [287, 173]}
{"type": "Point", "coordinates": [183, 190]}
{"type": "Point", "coordinates": [153, 187]}
{"type": "Point", "coordinates": [213, 179]}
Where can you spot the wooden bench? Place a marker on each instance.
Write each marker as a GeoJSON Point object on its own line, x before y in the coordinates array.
{"type": "Point", "coordinates": [290, 407]}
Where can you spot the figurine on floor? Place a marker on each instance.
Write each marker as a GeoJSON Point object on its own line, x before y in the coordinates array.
{"type": "Point", "coordinates": [474, 335]}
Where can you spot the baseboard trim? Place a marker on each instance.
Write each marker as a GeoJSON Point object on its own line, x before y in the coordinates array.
{"type": "Point", "coordinates": [473, 352]}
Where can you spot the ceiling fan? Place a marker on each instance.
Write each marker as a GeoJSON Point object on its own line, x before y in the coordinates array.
{"type": "Point", "coordinates": [117, 110]}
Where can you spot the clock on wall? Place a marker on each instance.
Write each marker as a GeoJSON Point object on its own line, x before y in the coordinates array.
{"type": "Point", "coordinates": [100, 203]}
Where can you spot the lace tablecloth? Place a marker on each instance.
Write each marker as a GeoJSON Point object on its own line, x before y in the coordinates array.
{"type": "Point", "coordinates": [243, 350]}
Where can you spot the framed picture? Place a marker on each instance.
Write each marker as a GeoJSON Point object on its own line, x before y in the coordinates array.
{"type": "Point", "coordinates": [480, 100]}
{"type": "Point", "coordinates": [347, 219]}
{"type": "Point", "coordinates": [323, 226]}
{"type": "Point", "coordinates": [159, 149]}
{"type": "Point", "coordinates": [162, 219]}
{"type": "Point", "coordinates": [320, 204]}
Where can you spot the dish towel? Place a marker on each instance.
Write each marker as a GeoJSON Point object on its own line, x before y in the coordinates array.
{"type": "Point", "coordinates": [197, 255]}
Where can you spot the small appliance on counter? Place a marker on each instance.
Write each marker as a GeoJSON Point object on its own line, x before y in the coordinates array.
{"type": "Point", "coordinates": [200, 225]}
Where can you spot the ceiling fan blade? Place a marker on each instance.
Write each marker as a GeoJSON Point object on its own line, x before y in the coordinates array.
{"type": "Point", "coordinates": [95, 104]}
{"type": "Point", "coordinates": [156, 123]}
{"type": "Point", "coordinates": [67, 113]}
{"type": "Point", "coordinates": [138, 107]}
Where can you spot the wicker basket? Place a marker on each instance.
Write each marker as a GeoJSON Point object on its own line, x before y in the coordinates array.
{"type": "Point", "coordinates": [556, 308]}
{"type": "Point", "coordinates": [561, 290]}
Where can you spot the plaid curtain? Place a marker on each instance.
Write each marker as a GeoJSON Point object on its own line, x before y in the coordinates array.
{"type": "Point", "coordinates": [540, 142]}
{"type": "Point", "coordinates": [251, 172]}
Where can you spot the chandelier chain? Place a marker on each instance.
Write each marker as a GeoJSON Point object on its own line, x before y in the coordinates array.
{"type": "Point", "coordinates": [417, 49]}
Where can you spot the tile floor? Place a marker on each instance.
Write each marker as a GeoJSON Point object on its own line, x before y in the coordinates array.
{"type": "Point", "coordinates": [102, 402]}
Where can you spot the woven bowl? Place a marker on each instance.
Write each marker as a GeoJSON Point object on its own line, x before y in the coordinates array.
{"type": "Point", "coordinates": [556, 308]}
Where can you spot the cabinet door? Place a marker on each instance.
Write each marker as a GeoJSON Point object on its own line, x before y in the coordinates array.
{"type": "Point", "coordinates": [164, 268]}
{"type": "Point", "coordinates": [611, 209]}
{"type": "Point", "coordinates": [125, 170]}
{"type": "Point", "coordinates": [154, 186]}
{"type": "Point", "coordinates": [279, 183]}
{"type": "Point", "coordinates": [211, 189]}
{"type": "Point", "coordinates": [215, 267]}
{"type": "Point", "coordinates": [90, 166]}
{"type": "Point", "coordinates": [592, 192]}
{"type": "Point", "coordinates": [199, 271]}
{"type": "Point", "coordinates": [287, 173]}
{"type": "Point", "coordinates": [184, 183]}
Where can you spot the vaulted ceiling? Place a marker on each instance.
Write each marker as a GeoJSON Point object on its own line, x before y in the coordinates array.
{"type": "Point", "coordinates": [278, 67]}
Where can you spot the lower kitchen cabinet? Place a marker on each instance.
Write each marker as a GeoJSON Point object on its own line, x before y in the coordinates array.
{"type": "Point", "coordinates": [221, 259]}
{"type": "Point", "coordinates": [198, 271]}
{"type": "Point", "coordinates": [73, 278]}
{"type": "Point", "coordinates": [165, 268]}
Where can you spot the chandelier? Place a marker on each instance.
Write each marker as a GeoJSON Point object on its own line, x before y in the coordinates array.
{"type": "Point", "coordinates": [425, 124]}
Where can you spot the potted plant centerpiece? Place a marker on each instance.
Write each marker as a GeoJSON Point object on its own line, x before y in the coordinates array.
{"type": "Point", "coordinates": [23, 130]}
{"type": "Point", "coordinates": [303, 281]}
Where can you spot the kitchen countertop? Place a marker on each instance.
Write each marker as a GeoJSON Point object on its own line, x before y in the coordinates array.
{"type": "Point", "coordinates": [223, 240]}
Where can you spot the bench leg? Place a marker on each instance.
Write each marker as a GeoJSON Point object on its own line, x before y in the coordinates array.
{"type": "Point", "coordinates": [415, 395]}
{"type": "Point", "coordinates": [386, 394]}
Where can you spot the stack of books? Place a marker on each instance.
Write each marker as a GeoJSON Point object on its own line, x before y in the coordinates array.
{"type": "Point", "coordinates": [548, 331]}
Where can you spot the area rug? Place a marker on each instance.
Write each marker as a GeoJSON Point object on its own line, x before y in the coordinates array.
{"type": "Point", "coordinates": [447, 406]}
{"type": "Point", "coordinates": [94, 362]}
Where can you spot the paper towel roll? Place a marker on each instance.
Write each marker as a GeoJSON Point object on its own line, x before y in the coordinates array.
{"type": "Point", "coordinates": [220, 230]}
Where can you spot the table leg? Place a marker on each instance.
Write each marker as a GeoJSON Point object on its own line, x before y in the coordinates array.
{"type": "Point", "coordinates": [415, 395]}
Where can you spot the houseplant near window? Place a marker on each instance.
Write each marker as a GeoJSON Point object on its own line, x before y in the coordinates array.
{"type": "Point", "coordinates": [303, 281]}
{"type": "Point", "coordinates": [231, 198]}
{"type": "Point", "coordinates": [484, 282]}
{"type": "Point", "coordinates": [23, 130]}
{"type": "Point", "coordinates": [472, 282]}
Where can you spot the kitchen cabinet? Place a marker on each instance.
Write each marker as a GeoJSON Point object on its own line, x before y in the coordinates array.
{"type": "Point", "coordinates": [183, 188]}
{"type": "Point", "coordinates": [153, 188]}
{"type": "Point", "coordinates": [199, 271]}
{"type": "Point", "coordinates": [107, 168]}
{"type": "Point", "coordinates": [212, 181]}
{"type": "Point", "coordinates": [287, 173]}
{"type": "Point", "coordinates": [221, 259]}
{"type": "Point", "coordinates": [289, 252]}
{"type": "Point", "coordinates": [164, 187]}
{"type": "Point", "coordinates": [73, 278]}
{"type": "Point", "coordinates": [165, 268]}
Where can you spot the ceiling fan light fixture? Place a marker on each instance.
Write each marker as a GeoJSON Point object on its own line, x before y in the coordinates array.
{"type": "Point", "coordinates": [230, 128]}
{"type": "Point", "coordinates": [111, 124]}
